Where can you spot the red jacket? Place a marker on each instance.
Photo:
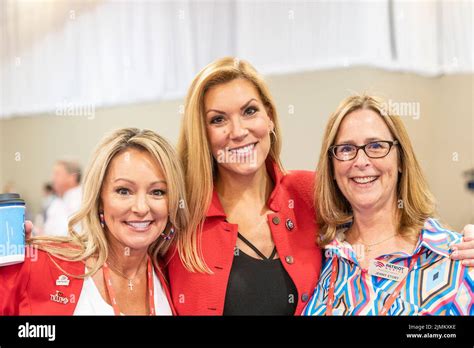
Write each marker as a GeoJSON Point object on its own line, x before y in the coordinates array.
{"type": "Point", "coordinates": [32, 287]}
{"type": "Point", "coordinates": [293, 229]}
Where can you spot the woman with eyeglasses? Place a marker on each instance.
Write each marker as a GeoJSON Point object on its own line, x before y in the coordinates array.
{"type": "Point", "coordinates": [385, 252]}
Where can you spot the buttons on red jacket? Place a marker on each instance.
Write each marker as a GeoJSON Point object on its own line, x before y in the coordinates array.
{"type": "Point", "coordinates": [293, 227]}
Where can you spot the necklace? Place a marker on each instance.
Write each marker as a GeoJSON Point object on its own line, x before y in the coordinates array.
{"type": "Point", "coordinates": [368, 247]}
{"type": "Point", "coordinates": [130, 280]}
{"type": "Point", "coordinates": [150, 293]}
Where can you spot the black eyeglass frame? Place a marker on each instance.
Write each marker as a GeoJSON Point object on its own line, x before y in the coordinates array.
{"type": "Point", "coordinates": [332, 148]}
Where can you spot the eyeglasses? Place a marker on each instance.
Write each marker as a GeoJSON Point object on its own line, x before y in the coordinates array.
{"type": "Point", "coordinates": [375, 149]}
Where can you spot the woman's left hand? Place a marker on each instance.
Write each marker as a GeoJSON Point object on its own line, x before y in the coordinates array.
{"type": "Point", "coordinates": [465, 250]}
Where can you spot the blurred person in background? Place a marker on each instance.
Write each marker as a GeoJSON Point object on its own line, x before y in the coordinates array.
{"type": "Point", "coordinates": [66, 181]}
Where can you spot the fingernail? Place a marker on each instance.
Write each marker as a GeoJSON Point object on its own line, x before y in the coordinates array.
{"type": "Point", "coordinates": [455, 253]}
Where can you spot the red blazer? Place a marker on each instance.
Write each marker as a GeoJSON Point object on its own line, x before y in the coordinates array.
{"type": "Point", "coordinates": [293, 229]}
{"type": "Point", "coordinates": [31, 287]}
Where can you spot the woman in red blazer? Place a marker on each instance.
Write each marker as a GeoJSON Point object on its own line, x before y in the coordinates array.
{"type": "Point", "coordinates": [251, 246]}
{"type": "Point", "coordinates": [40, 286]}
{"type": "Point", "coordinates": [133, 191]}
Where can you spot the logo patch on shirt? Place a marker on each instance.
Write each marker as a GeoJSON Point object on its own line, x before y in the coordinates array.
{"type": "Point", "coordinates": [62, 280]}
{"type": "Point", "coordinates": [59, 297]}
{"type": "Point", "coordinates": [387, 270]}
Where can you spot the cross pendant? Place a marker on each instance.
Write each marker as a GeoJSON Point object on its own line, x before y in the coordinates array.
{"type": "Point", "coordinates": [130, 284]}
{"type": "Point", "coordinates": [367, 249]}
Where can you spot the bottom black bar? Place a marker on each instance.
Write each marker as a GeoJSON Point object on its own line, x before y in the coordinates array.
{"type": "Point", "coordinates": [156, 331]}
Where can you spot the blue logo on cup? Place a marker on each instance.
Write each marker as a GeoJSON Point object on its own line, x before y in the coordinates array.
{"type": "Point", "coordinates": [12, 229]}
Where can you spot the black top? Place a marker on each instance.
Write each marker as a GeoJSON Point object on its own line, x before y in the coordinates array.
{"type": "Point", "coordinates": [259, 286]}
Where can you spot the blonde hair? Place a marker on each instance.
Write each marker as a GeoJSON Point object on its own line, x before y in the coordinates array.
{"type": "Point", "coordinates": [333, 209]}
{"type": "Point", "coordinates": [93, 241]}
{"type": "Point", "coordinates": [195, 153]}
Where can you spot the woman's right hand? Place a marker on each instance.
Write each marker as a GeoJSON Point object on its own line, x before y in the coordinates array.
{"type": "Point", "coordinates": [28, 229]}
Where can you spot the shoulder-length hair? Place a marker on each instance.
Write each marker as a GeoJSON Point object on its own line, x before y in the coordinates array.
{"type": "Point", "coordinates": [415, 201]}
{"type": "Point", "coordinates": [92, 241]}
{"type": "Point", "coordinates": [195, 153]}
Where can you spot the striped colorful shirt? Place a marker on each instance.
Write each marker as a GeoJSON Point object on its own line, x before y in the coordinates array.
{"type": "Point", "coordinates": [436, 285]}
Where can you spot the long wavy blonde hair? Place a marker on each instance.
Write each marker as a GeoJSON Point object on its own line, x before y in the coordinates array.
{"type": "Point", "coordinates": [415, 200]}
{"type": "Point", "coordinates": [195, 153]}
{"type": "Point", "coordinates": [93, 240]}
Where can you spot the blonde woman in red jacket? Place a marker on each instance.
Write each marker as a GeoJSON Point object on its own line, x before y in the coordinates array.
{"type": "Point", "coordinates": [251, 248]}
{"type": "Point", "coordinates": [132, 206]}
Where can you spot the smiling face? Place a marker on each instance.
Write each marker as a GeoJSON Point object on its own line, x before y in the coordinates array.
{"type": "Point", "coordinates": [238, 127]}
{"type": "Point", "coordinates": [367, 183]}
{"type": "Point", "coordinates": [134, 199]}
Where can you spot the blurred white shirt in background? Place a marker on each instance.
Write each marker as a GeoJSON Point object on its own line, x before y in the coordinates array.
{"type": "Point", "coordinates": [60, 211]}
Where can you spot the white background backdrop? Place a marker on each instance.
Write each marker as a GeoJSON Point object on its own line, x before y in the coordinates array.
{"type": "Point", "coordinates": [106, 53]}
